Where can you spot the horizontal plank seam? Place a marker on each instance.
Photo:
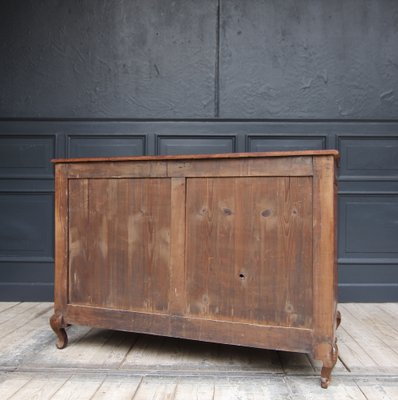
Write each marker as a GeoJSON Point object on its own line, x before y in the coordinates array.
{"type": "Point", "coordinates": [299, 153]}
{"type": "Point", "coordinates": [179, 317]}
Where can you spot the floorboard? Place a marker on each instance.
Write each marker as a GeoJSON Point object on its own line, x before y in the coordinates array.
{"type": "Point", "coordinates": [103, 364]}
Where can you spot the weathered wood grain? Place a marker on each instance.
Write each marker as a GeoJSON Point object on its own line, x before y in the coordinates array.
{"type": "Point", "coordinates": [10, 384]}
{"type": "Point", "coordinates": [38, 388]}
{"type": "Point", "coordinates": [102, 363]}
{"type": "Point", "coordinates": [301, 388]}
{"type": "Point", "coordinates": [229, 332]}
{"type": "Point", "coordinates": [373, 340]}
{"type": "Point", "coordinates": [26, 316]}
{"type": "Point", "coordinates": [7, 305]}
{"type": "Point", "coordinates": [237, 249]}
{"type": "Point", "coordinates": [223, 156]}
{"type": "Point", "coordinates": [255, 262]}
{"type": "Point", "coordinates": [120, 388]}
{"type": "Point", "coordinates": [353, 353]}
{"type": "Point", "coordinates": [326, 317]}
{"type": "Point", "coordinates": [195, 389]}
{"type": "Point", "coordinates": [119, 243]}
{"type": "Point", "coordinates": [162, 389]}
{"type": "Point", "coordinates": [79, 387]}
{"type": "Point", "coordinates": [378, 389]}
{"type": "Point", "coordinates": [177, 272]}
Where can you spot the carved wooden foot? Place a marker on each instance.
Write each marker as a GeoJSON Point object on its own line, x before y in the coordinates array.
{"type": "Point", "coordinates": [328, 366]}
{"type": "Point", "coordinates": [58, 326]}
{"type": "Point", "coordinates": [338, 319]}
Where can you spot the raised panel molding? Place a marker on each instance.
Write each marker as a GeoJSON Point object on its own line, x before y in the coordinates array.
{"type": "Point", "coordinates": [285, 143]}
{"type": "Point", "coordinates": [26, 230]}
{"type": "Point", "coordinates": [171, 145]}
{"type": "Point", "coordinates": [26, 156]}
{"type": "Point", "coordinates": [368, 186]}
{"type": "Point", "coordinates": [368, 157]}
{"type": "Point", "coordinates": [106, 145]}
{"type": "Point", "coordinates": [368, 228]}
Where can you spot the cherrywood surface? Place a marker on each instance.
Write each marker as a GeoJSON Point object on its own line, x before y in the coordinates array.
{"type": "Point", "coordinates": [236, 249]}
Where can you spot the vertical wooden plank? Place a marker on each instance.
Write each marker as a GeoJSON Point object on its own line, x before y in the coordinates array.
{"type": "Point", "coordinates": [120, 242]}
{"type": "Point", "coordinates": [177, 291]}
{"type": "Point", "coordinates": [324, 255]}
{"type": "Point", "coordinates": [290, 250]}
{"type": "Point", "coordinates": [61, 237]}
{"type": "Point", "coordinates": [79, 265]}
{"type": "Point", "coordinates": [249, 246]}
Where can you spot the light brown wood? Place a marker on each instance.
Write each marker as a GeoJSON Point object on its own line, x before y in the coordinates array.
{"type": "Point", "coordinates": [235, 248]}
{"type": "Point", "coordinates": [177, 286]}
{"type": "Point", "coordinates": [235, 276]}
{"type": "Point", "coordinates": [326, 318]}
{"type": "Point", "coordinates": [222, 156]}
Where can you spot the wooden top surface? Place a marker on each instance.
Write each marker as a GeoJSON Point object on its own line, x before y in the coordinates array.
{"type": "Point", "coordinates": [301, 153]}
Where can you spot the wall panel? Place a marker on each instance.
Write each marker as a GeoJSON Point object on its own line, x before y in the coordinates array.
{"type": "Point", "coordinates": [105, 145]}
{"type": "Point", "coordinates": [369, 227]}
{"type": "Point", "coordinates": [285, 143]}
{"type": "Point", "coordinates": [26, 156]}
{"type": "Point", "coordinates": [26, 227]}
{"type": "Point", "coordinates": [368, 187]}
{"type": "Point", "coordinates": [370, 157]}
{"type": "Point", "coordinates": [169, 145]}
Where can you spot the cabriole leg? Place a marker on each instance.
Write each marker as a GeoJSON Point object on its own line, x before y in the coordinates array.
{"type": "Point", "coordinates": [58, 326]}
{"type": "Point", "coordinates": [328, 365]}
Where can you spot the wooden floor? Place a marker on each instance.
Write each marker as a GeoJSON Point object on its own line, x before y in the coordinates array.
{"type": "Point", "coordinates": [103, 364]}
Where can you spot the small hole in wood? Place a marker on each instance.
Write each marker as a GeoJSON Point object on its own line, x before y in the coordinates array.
{"type": "Point", "coordinates": [266, 213]}
{"type": "Point", "coordinates": [242, 276]}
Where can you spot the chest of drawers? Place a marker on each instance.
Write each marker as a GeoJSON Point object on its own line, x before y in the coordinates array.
{"type": "Point", "coordinates": [231, 248]}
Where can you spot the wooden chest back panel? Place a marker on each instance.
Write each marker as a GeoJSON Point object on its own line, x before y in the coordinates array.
{"type": "Point", "coordinates": [119, 243]}
{"type": "Point", "coordinates": [232, 248]}
{"type": "Point", "coordinates": [249, 249]}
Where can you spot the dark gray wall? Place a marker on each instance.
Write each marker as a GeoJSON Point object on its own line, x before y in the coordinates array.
{"type": "Point", "coordinates": [199, 59]}
{"type": "Point", "coordinates": [92, 78]}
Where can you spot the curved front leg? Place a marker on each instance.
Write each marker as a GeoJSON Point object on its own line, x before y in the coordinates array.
{"type": "Point", "coordinates": [58, 326]}
{"type": "Point", "coordinates": [328, 365]}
